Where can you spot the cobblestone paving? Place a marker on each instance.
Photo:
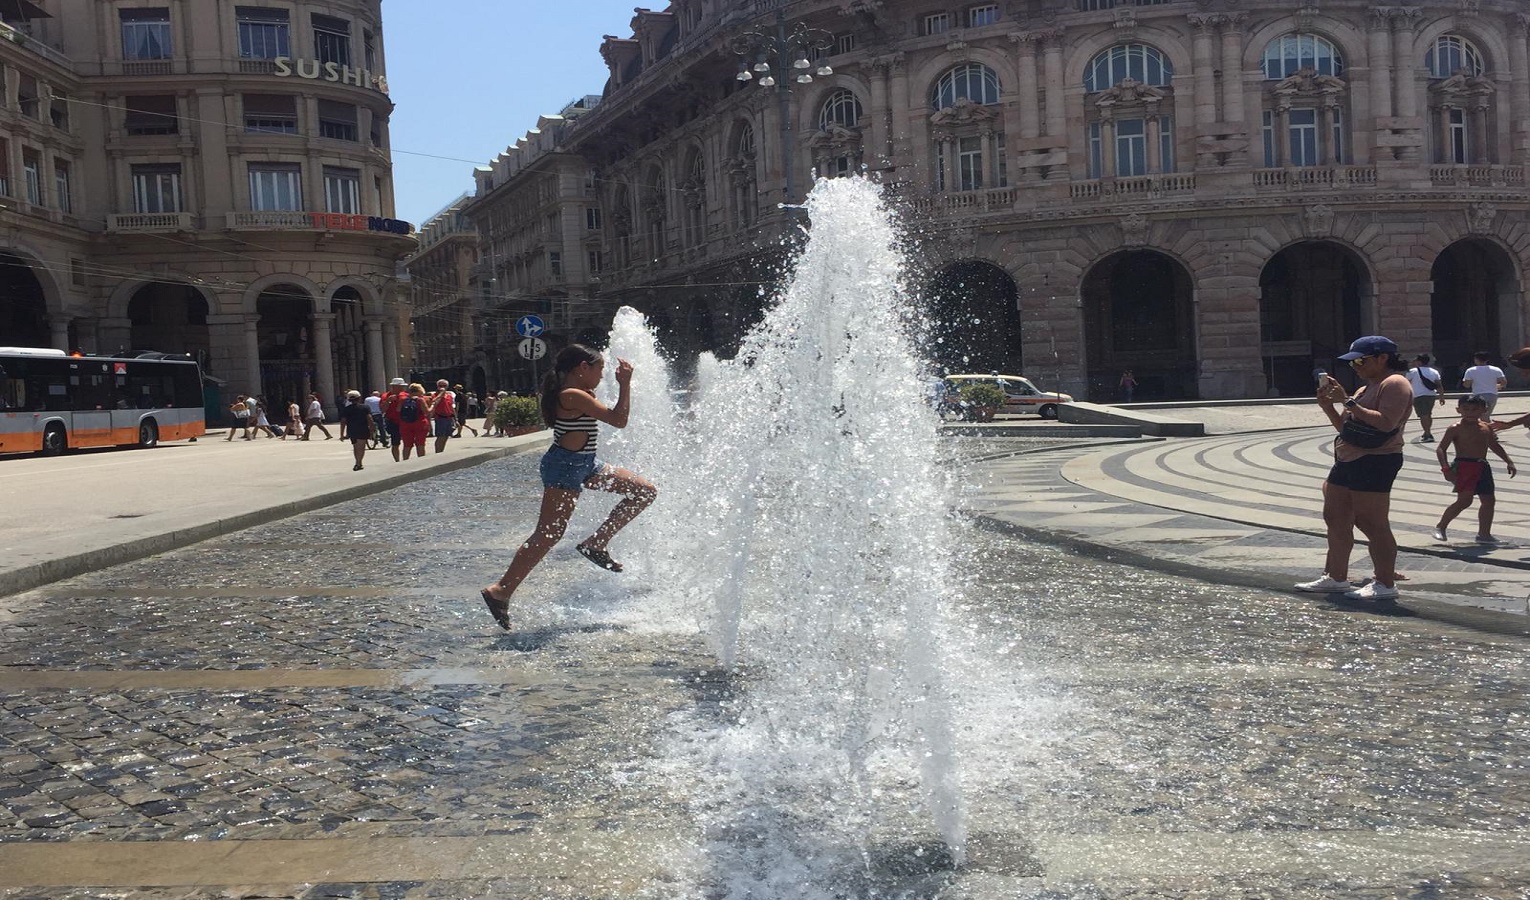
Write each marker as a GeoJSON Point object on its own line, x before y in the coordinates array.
{"type": "Point", "coordinates": [330, 681]}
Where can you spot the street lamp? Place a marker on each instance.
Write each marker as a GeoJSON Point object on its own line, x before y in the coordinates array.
{"type": "Point", "coordinates": [779, 56]}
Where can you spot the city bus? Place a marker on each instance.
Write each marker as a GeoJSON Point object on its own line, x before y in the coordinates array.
{"type": "Point", "coordinates": [52, 401]}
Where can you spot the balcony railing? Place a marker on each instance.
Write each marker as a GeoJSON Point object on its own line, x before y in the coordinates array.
{"type": "Point", "coordinates": [1477, 176]}
{"type": "Point", "coordinates": [1315, 177]}
{"type": "Point", "coordinates": [21, 38]}
{"type": "Point", "coordinates": [268, 219]}
{"type": "Point", "coordinates": [148, 67]}
{"type": "Point", "coordinates": [994, 200]}
{"type": "Point", "coordinates": [1145, 187]}
{"type": "Point", "coordinates": [176, 221]}
{"type": "Point", "coordinates": [257, 67]}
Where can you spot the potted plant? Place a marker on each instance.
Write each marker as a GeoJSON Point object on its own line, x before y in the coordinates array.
{"type": "Point", "coordinates": [518, 415]}
{"type": "Point", "coordinates": [983, 400]}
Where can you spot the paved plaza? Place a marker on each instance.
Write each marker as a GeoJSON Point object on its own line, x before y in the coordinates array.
{"type": "Point", "coordinates": [318, 706]}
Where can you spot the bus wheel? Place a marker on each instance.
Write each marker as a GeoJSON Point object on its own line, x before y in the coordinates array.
{"type": "Point", "coordinates": [148, 434]}
{"type": "Point", "coordinates": [54, 441]}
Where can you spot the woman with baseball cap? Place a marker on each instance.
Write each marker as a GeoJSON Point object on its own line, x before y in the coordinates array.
{"type": "Point", "coordinates": [1368, 454]}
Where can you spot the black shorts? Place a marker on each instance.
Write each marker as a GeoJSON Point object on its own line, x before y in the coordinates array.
{"type": "Point", "coordinates": [1371, 474]}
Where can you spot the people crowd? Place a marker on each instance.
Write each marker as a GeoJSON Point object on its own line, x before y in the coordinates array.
{"type": "Point", "coordinates": [1368, 455]}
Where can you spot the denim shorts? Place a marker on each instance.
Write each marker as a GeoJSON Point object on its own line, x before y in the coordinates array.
{"type": "Point", "coordinates": [567, 469]}
{"type": "Point", "coordinates": [445, 426]}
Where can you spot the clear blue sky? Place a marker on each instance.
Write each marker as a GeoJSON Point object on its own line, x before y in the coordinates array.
{"type": "Point", "coordinates": [469, 77]}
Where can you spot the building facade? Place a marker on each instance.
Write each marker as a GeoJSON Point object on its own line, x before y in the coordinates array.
{"type": "Point", "coordinates": [1216, 195]}
{"type": "Point", "coordinates": [443, 300]}
{"type": "Point", "coordinates": [210, 178]}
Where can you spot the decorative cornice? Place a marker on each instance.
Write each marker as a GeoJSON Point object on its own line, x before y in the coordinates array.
{"type": "Point", "coordinates": [1129, 92]}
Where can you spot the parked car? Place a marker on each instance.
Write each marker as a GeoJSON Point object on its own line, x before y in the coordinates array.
{"type": "Point", "coordinates": [1021, 395]}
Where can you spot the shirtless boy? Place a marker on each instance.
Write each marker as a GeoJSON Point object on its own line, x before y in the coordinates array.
{"type": "Point", "coordinates": [1473, 438]}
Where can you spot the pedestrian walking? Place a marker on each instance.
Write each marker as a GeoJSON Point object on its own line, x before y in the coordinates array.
{"type": "Point", "coordinates": [1128, 386]}
{"type": "Point", "coordinates": [294, 421]}
{"type": "Point", "coordinates": [460, 402]}
{"type": "Point", "coordinates": [443, 412]}
{"type": "Point", "coordinates": [414, 420]}
{"type": "Point", "coordinates": [356, 423]}
{"type": "Point", "coordinates": [1470, 474]}
{"type": "Point", "coordinates": [241, 411]}
{"type": "Point", "coordinates": [1367, 457]}
{"type": "Point", "coordinates": [379, 429]}
{"type": "Point", "coordinates": [262, 421]}
{"type": "Point", "coordinates": [570, 465]}
{"type": "Point", "coordinates": [397, 391]}
{"type": "Point", "coordinates": [1484, 380]}
{"type": "Point", "coordinates": [315, 418]}
{"type": "Point", "coordinates": [489, 402]}
{"type": "Point", "coordinates": [1427, 393]}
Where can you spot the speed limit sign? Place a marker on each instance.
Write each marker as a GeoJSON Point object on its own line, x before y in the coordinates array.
{"type": "Point", "coordinates": [533, 349]}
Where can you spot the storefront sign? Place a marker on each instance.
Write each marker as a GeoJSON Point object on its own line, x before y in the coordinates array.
{"type": "Point", "coordinates": [343, 222]}
{"type": "Point", "coordinates": [313, 70]}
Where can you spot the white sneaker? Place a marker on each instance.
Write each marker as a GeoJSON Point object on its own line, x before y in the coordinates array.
{"type": "Point", "coordinates": [1373, 591]}
{"type": "Point", "coordinates": [1439, 535]}
{"type": "Point", "coordinates": [1325, 585]}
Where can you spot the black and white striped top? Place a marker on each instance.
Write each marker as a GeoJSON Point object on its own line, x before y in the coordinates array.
{"type": "Point", "coordinates": [585, 425]}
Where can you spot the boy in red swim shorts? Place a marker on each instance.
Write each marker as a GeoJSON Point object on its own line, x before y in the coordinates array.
{"type": "Point", "coordinates": [1469, 474]}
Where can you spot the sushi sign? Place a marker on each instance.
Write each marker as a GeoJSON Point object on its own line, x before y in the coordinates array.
{"type": "Point", "coordinates": [313, 70]}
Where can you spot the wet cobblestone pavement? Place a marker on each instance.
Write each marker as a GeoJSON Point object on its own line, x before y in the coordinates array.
{"type": "Point", "coordinates": [321, 708]}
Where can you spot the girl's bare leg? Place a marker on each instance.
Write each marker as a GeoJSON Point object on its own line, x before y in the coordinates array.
{"type": "Point", "coordinates": [637, 494]}
{"type": "Point", "coordinates": [557, 506]}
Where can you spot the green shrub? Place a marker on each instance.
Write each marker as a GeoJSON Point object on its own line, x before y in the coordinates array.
{"type": "Point", "coordinates": [517, 412]}
{"type": "Point", "coordinates": [982, 394]}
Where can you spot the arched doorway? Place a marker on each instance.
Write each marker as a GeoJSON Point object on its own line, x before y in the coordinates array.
{"type": "Point", "coordinates": [23, 306]}
{"type": "Point", "coordinates": [1473, 305]}
{"type": "Point", "coordinates": [286, 348]}
{"type": "Point", "coordinates": [1312, 301]}
{"type": "Point", "coordinates": [349, 338]}
{"type": "Point", "coordinates": [171, 318]}
{"type": "Point", "coordinates": [974, 320]}
{"type": "Point", "coordinates": [1139, 315]}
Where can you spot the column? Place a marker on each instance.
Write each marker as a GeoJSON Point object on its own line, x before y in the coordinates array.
{"type": "Point", "coordinates": [1151, 134]}
{"type": "Point", "coordinates": [1030, 102]}
{"type": "Point", "coordinates": [1381, 64]}
{"type": "Point", "coordinates": [1325, 134]}
{"type": "Point", "coordinates": [58, 327]}
{"type": "Point", "coordinates": [324, 360]}
{"type": "Point", "coordinates": [1404, 65]}
{"type": "Point", "coordinates": [1478, 119]}
{"type": "Point", "coordinates": [878, 147]}
{"type": "Point", "coordinates": [1057, 117]}
{"type": "Point", "coordinates": [1519, 97]}
{"type": "Point", "coordinates": [1282, 137]}
{"type": "Point", "coordinates": [391, 357]}
{"type": "Point", "coordinates": [377, 373]}
{"type": "Point", "coordinates": [1446, 154]}
{"type": "Point", "coordinates": [113, 335]}
{"type": "Point", "coordinates": [1205, 85]}
{"type": "Point", "coordinates": [1232, 67]}
{"type": "Point", "coordinates": [252, 378]}
{"type": "Point", "coordinates": [1107, 147]}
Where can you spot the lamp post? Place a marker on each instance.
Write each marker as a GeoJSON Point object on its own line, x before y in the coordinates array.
{"type": "Point", "coordinates": [779, 57]}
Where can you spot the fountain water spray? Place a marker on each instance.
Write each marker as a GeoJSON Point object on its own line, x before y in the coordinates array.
{"type": "Point", "coordinates": [801, 501]}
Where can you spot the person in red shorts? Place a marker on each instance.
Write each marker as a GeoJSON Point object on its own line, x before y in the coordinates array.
{"type": "Point", "coordinates": [1470, 475]}
{"type": "Point", "coordinates": [398, 389]}
{"type": "Point", "coordinates": [414, 420]}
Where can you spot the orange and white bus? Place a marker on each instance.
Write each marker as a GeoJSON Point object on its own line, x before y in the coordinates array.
{"type": "Point", "coordinates": [51, 401]}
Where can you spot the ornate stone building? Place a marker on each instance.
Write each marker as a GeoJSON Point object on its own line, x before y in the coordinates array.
{"type": "Point", "coordinates": [202, 176]}
{"type": "Point", "coordinates": [1218, 195]}
{"type": "Point", "coordinates": [443, 300]}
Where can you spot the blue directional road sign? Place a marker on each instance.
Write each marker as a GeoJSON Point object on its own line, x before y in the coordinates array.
{"type": "Point", "coordinates": [529, 326]}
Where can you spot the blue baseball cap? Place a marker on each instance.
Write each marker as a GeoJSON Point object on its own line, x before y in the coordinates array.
{"type": "Point", "coordinates": [1369, 346]}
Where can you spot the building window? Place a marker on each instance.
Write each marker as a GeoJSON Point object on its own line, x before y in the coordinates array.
{"type": "Point", "coordinates": [1096, 5]}
{"type": "Point", "coordinates": [979, 16]}
{"type": "Point", "coordinates": [61, 185]}
{"type": "Point", "coordinates": [844, 43]}
{"type": "Point", "coordinates": [1305, 142]}
{"type": "Point", "coordinates": [5, 167]}
{"type": "Point", "coordinates": [939, 23]}
{"type": "Point", "coordinates": [277, 187]}
{"type": "Point", "coordinates": [26, 96]}
{"type": "Point", "coordinates": [337, 121]}
{"type": "Point", "coordinates": [1458, 147]}
{"type": "Point", "coordinates": [264, 33]}
{"type": "Point", "coordinates": [969, 163]}
{"type": "Point", "coordinates": [145, 33]}
{"type": "Point", "coordinates": [342, 190]}
{"type": "Point", "coordinates": [972, 81]}
{"type": "Point", "coordinates": [595, 259]}
{"type": "Point", "coordinates": [157, 189]}
{"type": "Point", "coordinates": [369, 50]}
{"type": "Point", "coordinates": [149, 115]}
{"type": "Point", "coordinates": [58, 111]}
{"type": "Point", "coordinates": [592, 218]}
{"type": "Point", "coordinates": [31, 171]}
{"type": "Point", "coordinates": [332, 40]}
{"type": "Point", "coordinates": [270, 113]}
{"type": "Point", "coordinates": [842, 108]}
{"type": "Point", "coordinates": [1285, 56]}
{"type": "Point", "coordinates": [1451, 54]}
{"type": "Point", "coordinates": [1138, 62]}
{"type": "Point", "coordinates": [555, 263]}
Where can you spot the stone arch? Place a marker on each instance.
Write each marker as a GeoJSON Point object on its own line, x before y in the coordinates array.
{"type": "Point", "coordinates": [1474, 304]}
{"type": "Point", "coordinates": [29, 300]}
{"type": "Point", "coordinates": [1353, 43]}
{"type": "Point", "coordinates": [1169, 43]}
{"type": "Point", "coordinates": [1315, 296]}
{"type": "Point", "coordinates": [169, 317]}
{"type": "Point", "coordinates": [922, 81]}
{"type": "Point", "coordinates": [823, 88]}
{"type": "Point", "coordinates": [1139, 315]}
{"type": "Point", "coordinates": [973, 318]}
{"type": "Point", "coordinates": [1495, 53]}
{"type": "Point", "coordinates": [260, 286]}
{"type": "Point", "coordinates": [284, 335]}
{"type": "Point", "coordinates": [371, 298]}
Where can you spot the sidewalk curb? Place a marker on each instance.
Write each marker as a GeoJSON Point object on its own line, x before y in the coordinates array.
{"type": "Point", "coordinates": [29, 577]}
{"type": "Point", "coordinates": [1266, 581]}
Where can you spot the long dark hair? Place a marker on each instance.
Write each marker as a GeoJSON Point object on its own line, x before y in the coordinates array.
{"type": "Point", "coordinates": [567, 360]}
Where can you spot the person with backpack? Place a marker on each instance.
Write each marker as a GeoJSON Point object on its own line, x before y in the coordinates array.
{"type": "Point", "coordinates": [1426, 394]}
{"type": "Point", "coordinates": [398, 389]}
{"type": "Point", "coordinates": [414, 420]}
